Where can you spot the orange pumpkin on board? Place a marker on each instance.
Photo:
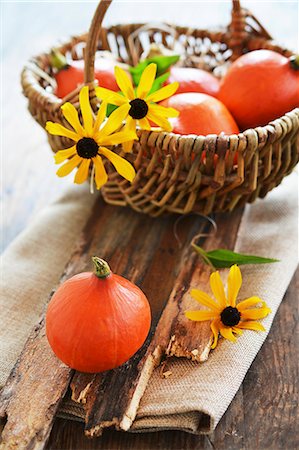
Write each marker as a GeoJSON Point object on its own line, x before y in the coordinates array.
{"type": "Point", "coordinates": [97, 321]}
{"type": "Point", "coordinates": [260, 86]}
{"type": "Point", "coordinates": [200, 114]}
{"type": "Point", "coordinates": [194, 80]}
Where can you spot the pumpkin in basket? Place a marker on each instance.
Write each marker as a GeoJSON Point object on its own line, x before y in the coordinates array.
{"type": "Point", "coordinates": [260, 86]}
{"type": "Point", "coordinates": [171, 175]}
{"type": "Point", "coordinates": [70, 74]}
{"type": "Point", "coordinates": [200, 114]}
{"type": "Point", "coordinates": [191, 79]}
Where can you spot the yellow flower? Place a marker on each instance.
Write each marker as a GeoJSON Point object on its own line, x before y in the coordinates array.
{"type": "Point", "coordinates": [91, 139]}
{"type": "Point", "coordinates": [142, 104]}
{"type": "Point", "coordinates": [226, 316]}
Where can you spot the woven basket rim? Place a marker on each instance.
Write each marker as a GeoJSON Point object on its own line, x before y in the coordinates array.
{"type": "Point", "coordinates": [276, 128]}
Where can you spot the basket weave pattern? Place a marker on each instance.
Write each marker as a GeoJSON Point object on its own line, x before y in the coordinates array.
{"type": "Point", "coordinates": [172, 176]}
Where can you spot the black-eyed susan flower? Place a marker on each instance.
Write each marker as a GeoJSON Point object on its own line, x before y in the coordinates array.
{"type": "Point", "coordinates": [91, 138]}
{"type": "Point", "coordinates": [142, 103]}
{"type": "Point", "coordinates": [226, 316]}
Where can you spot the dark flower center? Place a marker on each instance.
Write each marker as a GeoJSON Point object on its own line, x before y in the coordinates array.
{"type": "Point", "coordinates": [87, 148]}
{"type": "Point", "coordinates": [230, 316]}
{"type": "Point", "coordinates": [138, 108]}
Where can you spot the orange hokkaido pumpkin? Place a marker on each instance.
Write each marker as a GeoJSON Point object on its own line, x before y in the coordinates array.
{"type": "Point", "coordinates": [97, 321]}
{"type": "Point", "coordinates": [260, 86]}
{"type": "Point", "coordinates": [200, 114]}
{"type": "Point", "coordinates": [192, 79]}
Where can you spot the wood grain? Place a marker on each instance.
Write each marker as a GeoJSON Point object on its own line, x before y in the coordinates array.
{"type": "Point", "coordinates": [183, 333]}
{"type": "Point", "coordinates": [30, 398]}
{"type": "Point", "coordinates": [141, 253]}
{"type": "Point", "coordinates": [127, 383]}
{"type": "Point", "coordinates": [262, 415]}
{"type": "Point", "coordinates": [144, 250]}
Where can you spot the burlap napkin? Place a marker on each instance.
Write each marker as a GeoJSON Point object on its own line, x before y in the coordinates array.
{"type": "Point", "coordinates": [195, 397]}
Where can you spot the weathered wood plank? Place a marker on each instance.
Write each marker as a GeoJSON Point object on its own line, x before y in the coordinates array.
{"type": "Point", "coordinates": [272, 382]}
{"type": "Point", "coordinates": [31, 397]}
{"type": "Point", "coordinates": [144, 250]}
{"type": "Point", "coordinates": [189, 339]}
{"type": "Point", "coordinates": [247, 423]}
{"type": "Point", "coordinates": [126, 384]}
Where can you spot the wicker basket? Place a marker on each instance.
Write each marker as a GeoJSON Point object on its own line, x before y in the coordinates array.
{"type": "Point", "coordinates": [168, 178]}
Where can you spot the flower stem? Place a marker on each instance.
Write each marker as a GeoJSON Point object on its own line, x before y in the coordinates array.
{"type": "Point", "coordinates": [101, 268]}
{"type": "Point", "coordinates": [203, 254]}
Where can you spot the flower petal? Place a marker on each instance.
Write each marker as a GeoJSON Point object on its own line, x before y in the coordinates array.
{"type": "Point", "coordinates": [228, 334]}
{"type": "Point", "coordinates": [86, 110]}
{"type": "Point", "coordinates": [124, 83]}
{"type": "Point", "coordinates": [123, 167]}
{"type": "Point", "coordinates": [59, 130]}
{"type": "Point", "coordinates": [199, 316]}
{"type": "Point", "coordinates": [100, 172]}
{"type": "Point", "coordinates": [146, 81]}
{"type": "Point", "coordinates": [115, 120]}
{"type": "Point", "coordinates": [129, 126]}
{"type": "Point", "coordinates": [255, 313]}
{"type": "Point", "coordinates": [159, 120]}
{"type": "Point", "coordinates": [117, 138]}
{"type": "Point", "coordinates": [237, 331]}
{"type": "Point", "coordinates": [110, 96]}
{"type": "Point", "coordinates": [71, 115]}
{"type": "Point", "coordinates": [234, 283]}
{"type": "Point", "coordinates": [218, 289]}
{"type": "Point", "coordinates": [101, 115]}
{"type": "Point", "coordinates": [215, 326]}
{"type": "Point", "coordinates": [251, 301]}
{"type": "Point", "coordinates": [205, 300]}
{"type": "Point", "coordinates": [144, 124]}
{"type": "Point", "coordinates": [69, 166]}
{"type": "Point", "coordinates": [82, 172]}
{"type": "Point", "coordinates": [248, 325]}
{"type": "Point", "coordinates": [163, 111]}
{"type": "Point", "coordinates": [128, 146]}
{"type": "Point", "coordinates": [62, 155]}
{"type": "Point", "coordinates": [164, 92]}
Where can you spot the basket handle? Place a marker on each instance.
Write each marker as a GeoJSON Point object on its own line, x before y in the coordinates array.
{"type": "Point", "coordinates": [92, 40]}
{"type": "Point", "coordinates": [240, 29]}
{"type": "Point", "coordinates": [237, 30]}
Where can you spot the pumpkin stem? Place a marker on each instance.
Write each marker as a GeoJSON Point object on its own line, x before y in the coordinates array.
{"type": "Point", "coordinates": [58, 60]}
{"type": "Point", "coordinates": [294, 62]}
{"type": "Point", "coordinates": [101, 268]}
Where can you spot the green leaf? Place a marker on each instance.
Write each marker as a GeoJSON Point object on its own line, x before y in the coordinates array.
{"type": "Point", "coordinates": [110, 109]}
{"type": "Point", "coordinates": [159, 81]}
{"type": "Point", "coordinates": [222, 258]}
{"type": "Point", "coordinates": [163, 64]}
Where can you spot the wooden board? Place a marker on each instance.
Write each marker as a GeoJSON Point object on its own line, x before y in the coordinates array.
{"type": "Point", "coordinates": [258, 418]}
{"type": "Point", "coordinates": [146, 251]}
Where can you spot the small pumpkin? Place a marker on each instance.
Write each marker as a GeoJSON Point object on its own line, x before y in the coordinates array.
{"type": "Point", "coordinates": [191, 79]}
{"type": "Point", "coordinates": [97, 321]}
{"type": "Point", "coordinates": [70, 74]}
{"type": "Point", "coordinates": [200, 114]}
{"type": "Point", "coordinates": [260, 86]}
